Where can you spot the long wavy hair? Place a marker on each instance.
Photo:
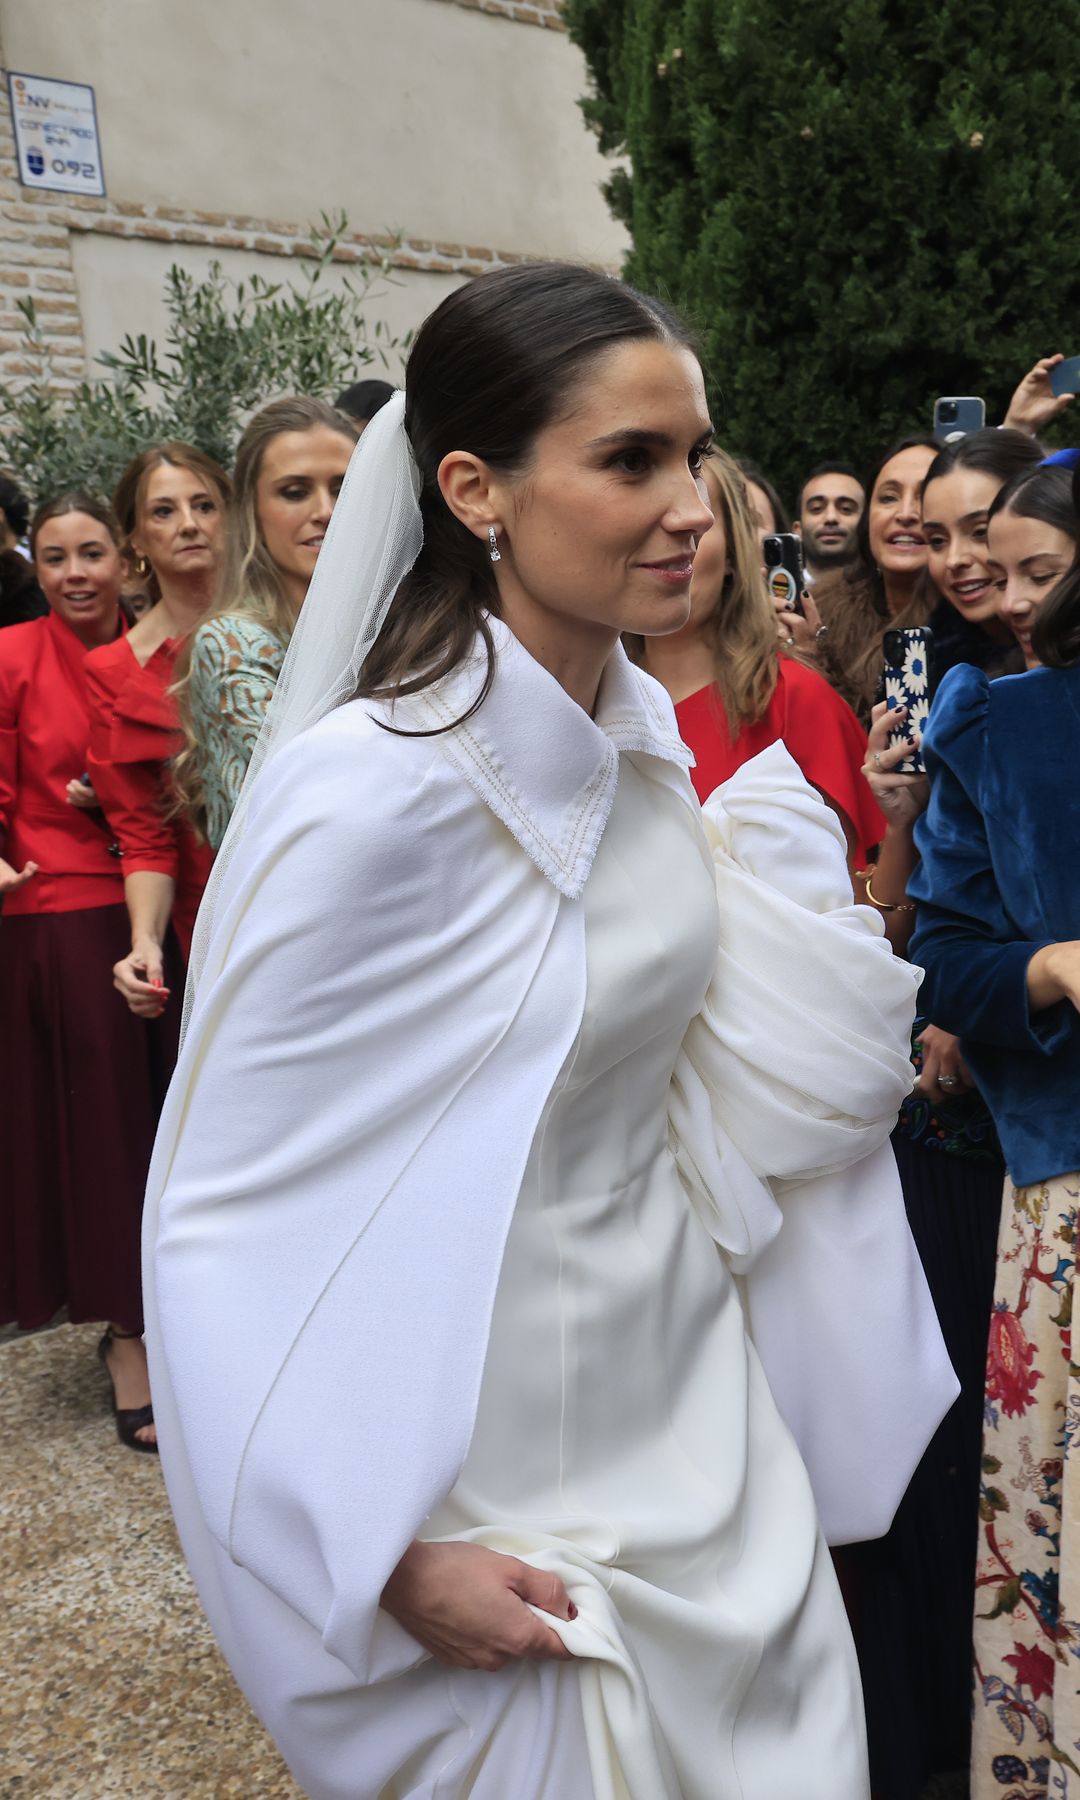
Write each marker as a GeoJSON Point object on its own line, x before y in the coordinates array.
{"type": "Point", "coordinates": [495, 363]}
{"type": "Point", "coordinates": [251, 586]}
{"type": "Point", "coordinates": [741, 629]}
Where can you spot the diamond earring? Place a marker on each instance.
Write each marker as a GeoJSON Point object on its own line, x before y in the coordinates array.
{"type": "Point", "coordinates": [493, 545]}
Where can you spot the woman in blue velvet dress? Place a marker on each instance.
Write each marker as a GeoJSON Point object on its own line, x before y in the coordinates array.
{"type": "Point", "coordinates": [999, 937]}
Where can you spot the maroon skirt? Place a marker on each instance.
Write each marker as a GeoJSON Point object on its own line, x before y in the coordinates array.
{"type": "Point", "coordinates": [81, 1084]}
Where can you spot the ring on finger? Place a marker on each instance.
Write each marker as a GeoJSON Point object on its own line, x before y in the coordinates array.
{"type": "Point", "coordinates": [948, 1081]}
{"type": "Point", "coordinates": [877, 759]}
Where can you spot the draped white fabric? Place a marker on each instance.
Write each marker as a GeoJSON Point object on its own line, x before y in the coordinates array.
{"type": "Point", "coordinates": [783, 1099]}
{"type": "Point", "coordinates": [396, 975]}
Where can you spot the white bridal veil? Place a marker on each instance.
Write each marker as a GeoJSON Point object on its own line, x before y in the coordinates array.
{"type": "Point", "coordinates": [372, 541]}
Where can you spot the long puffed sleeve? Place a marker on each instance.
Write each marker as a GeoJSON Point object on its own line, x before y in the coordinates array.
{"type": "Point", "coordinates": [132, 733]}
{"type": "Point", "coordinates": [785, 1093]}
{"type": "Point", "coordinates": [235, 664]}
{"type": "Point", "coordinates": [975, 955]}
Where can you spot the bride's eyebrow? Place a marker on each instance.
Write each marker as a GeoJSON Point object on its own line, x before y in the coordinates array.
{"type": "Point", "coordinates": [635, 436]}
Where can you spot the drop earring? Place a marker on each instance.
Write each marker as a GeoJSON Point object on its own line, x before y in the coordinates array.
{"type": "Point", "coordinates": [493, 545]}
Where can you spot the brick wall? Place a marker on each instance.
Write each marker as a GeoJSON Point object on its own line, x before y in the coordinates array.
{"type": "Point", "coordinates": [37, 230]}
{"type": "Point", "coordinates": [35, 262]}
{"type": "Point", "coordinates": [271, 237]}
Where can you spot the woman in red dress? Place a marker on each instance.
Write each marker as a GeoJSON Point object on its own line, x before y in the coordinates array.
{"type": "Point", "coordinates": [172, 503]}
{"type": "Point", "coordinates": [81, 1079]}
{"type": "Point", "coordinates": [737, 690]}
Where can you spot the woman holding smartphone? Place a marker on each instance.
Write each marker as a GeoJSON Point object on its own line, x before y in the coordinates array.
{"type": "Point", "coordinates": [917, 1682]}
{"type": "Point", "coordinates": [999, 937]}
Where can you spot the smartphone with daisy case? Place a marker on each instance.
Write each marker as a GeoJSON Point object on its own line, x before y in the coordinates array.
{"type": "Point", "coordinates": [909, 681]}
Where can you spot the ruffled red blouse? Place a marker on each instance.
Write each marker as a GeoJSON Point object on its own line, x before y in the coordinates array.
{"type": "Point", "coordinates": [818, 728]}
{"type": "Point", "coordinates": [134, 730]}
{"type": "Point", "coordinates": [44, 727]}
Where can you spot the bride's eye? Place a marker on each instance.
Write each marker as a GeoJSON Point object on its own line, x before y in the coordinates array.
{"type": "Point", "coordinates": [631, 462]}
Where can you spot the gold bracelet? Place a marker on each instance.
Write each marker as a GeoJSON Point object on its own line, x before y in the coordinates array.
{"type": "Point", "coordinates": [884, 905]}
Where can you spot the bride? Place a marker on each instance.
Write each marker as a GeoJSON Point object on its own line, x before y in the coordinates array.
{"type": "Point", "coordinates": [522, 1117]}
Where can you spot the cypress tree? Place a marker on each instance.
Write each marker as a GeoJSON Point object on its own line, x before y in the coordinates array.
{"type": "Point", "coordinates": [860, 206]}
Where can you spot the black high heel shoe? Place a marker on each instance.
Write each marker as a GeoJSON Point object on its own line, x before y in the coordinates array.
{"type": "Point", "coordinates": [129, 1419]}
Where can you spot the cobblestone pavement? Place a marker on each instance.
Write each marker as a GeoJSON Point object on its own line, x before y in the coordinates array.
{"type": "Point", "coordinates": [112, 1684]}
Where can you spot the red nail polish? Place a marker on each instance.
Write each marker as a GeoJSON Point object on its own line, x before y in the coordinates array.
{"type": "Point", "coordinates": [573, 1610]}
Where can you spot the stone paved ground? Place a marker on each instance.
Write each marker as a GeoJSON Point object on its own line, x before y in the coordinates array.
{"type": "Point", "coordinates": [111, 1682]}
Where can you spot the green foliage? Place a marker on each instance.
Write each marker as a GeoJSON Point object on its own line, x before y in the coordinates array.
{"type": "Point", "coordinates": [859, 206]}
{"type": "Point", "coordinates": [230, 346]}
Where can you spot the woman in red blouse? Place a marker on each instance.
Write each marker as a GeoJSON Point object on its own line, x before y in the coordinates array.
{"type": "Point", "coordinates": [172, 503]}
{"type": "Point", "coordinates": [81, 1079]}
{"type": "Point", "coordinates": [736, 690]}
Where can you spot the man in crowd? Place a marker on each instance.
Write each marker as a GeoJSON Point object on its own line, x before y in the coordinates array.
{"type": "Point", "coordinates": [830, 505]}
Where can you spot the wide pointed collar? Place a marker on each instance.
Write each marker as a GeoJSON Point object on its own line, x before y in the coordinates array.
{"type": "Point", "coordinates": [545, 768]}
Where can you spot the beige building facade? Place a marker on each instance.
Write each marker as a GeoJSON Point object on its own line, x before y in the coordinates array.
{"type": "Point", "coordinates": [448, 131]}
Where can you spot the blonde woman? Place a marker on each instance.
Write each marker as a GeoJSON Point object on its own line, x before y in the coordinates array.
{"type": "Point", "coordinates": [736, 690]}
{"type": "Point", "coordinates": [290, 464]}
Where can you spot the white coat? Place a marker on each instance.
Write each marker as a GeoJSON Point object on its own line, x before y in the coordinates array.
{"type": "Point", "coordinates": [368, 1059]}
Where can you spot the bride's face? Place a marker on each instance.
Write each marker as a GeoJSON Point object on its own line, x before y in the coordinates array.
{"type": "Point", "coordinates": [598, 536]}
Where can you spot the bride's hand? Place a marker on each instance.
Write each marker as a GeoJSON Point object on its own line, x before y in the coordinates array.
{"type": "Point", "coordinates": [466, 1605]}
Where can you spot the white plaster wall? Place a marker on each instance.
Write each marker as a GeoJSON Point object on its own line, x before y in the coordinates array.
{"type": "Point", "coordinates": [409, 114]}
{"type": "Point", "coordinates": [121, 286]}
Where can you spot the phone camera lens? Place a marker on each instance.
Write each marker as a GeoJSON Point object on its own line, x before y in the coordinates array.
{"type": "Point", "coordinates": [773, 552]}
{"type": "Point", "coordinates": [948, 412]}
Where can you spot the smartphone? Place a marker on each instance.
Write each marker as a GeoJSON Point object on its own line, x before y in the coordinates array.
{"type": "Point", "coordinates": [782, 551]}
{"type": "Point", "coordinates": [957, 414]}
{"type": "Point", "coordinates": [910, 682]}
{"type": "Point", "coordinates": [1065, 378]}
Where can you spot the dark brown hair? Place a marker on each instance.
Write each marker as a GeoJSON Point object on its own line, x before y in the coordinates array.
{"type": "Point", "coordinates": [75, 500]}
{"type": "Point", "coordinates": [1055, 638]}
{"type": "Point", "coordinates": [996, 450]}
{"type": "Point", "coordinates": [494, 364]}
{"type": "Point", "coordinates": [1043, 492]}
{"type": "Point", "coordinates": [14, 506]}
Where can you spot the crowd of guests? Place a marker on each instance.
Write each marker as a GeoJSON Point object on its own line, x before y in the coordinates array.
{"type": "Point", "coordinates": [142, 645]}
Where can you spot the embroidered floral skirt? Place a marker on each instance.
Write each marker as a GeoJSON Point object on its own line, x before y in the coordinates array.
{"type": "Point", "coordinates": [1026, 1743]}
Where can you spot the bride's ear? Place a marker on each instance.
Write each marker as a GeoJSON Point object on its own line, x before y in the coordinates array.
{"type": "Point", "coordinates": [468, 487]}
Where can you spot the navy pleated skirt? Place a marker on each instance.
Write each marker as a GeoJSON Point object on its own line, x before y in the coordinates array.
{"type": "Point", "coordinates": [81, 1084]}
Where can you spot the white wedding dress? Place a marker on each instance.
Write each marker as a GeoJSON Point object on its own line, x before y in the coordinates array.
{"type": "Point", "coordinates": [626, 1436]}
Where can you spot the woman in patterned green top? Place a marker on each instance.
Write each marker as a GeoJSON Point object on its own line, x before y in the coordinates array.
{"type": "Point", "coordinates": [290, 464]}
